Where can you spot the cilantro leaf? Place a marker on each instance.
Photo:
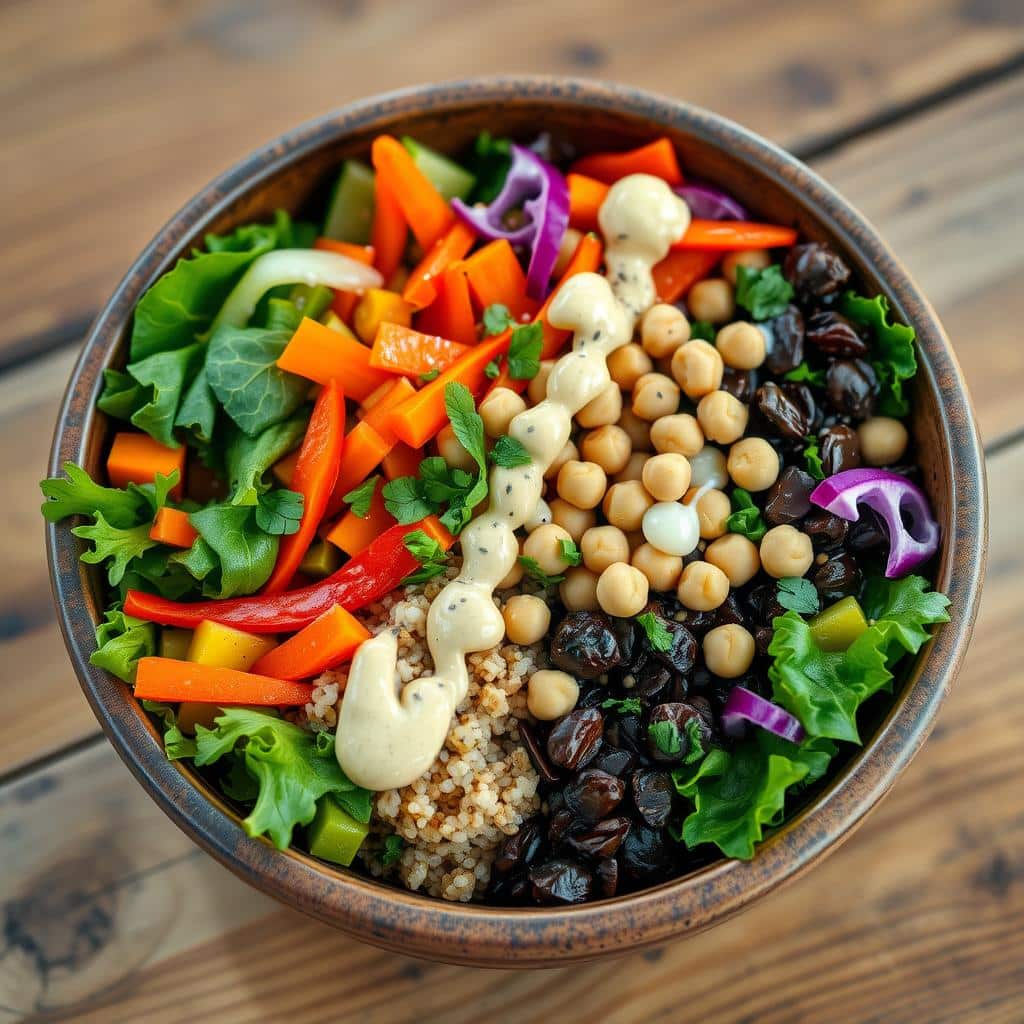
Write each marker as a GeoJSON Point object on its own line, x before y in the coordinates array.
{"type": "Point", "coordinates": [532, 568]}
{"type": "Point", "coordinates": [279, 512]}
{"type": "Point", "coordinates": [429, 375]}
{"type": "Point", "coordinates": [489, 163]}
{"type": "Point", "coordinates": [702, 330]}
{"type": "Point", "coordinates": [803, 374]}
{"type": "Point", "coordinates": [117, 544]}
{"type": "Point", "coordinates": [466, 421]}
{"type": "Point", "coordinates": [509, 452]}
{"type": "Point", "coordinates": [402, 498]}
{"type": "Point", "coordinates": [812, 459]}
{"type": "Point", "coordinates": [524, 351]}
{"type": "Point", "coordinates": [657, 635]}
{"type": "Point", "coordinates": [895, 360]}
{"type": "Point", "coordinates": [798, 595]}
{"type": "Point", "coordinates": [120, 641]}
{"type": "Point", "coordinates": [624, 705]}
{"type": "Point", "coordinates": [746, 518]}
{"type": "Point", "coordinates": [359, 498]}
{"type": "Point", "coordinates": [570, 553]}
{"type": "Point", "coordinates": [493, 368]}
{"type": "Point", "coordinates": [392, 853]}
{"type": "Point", "coordinates": [79, 495]}
{"type": "Point", "coordinates": [666, 738]}
{"type": "Point", "coordinates": [497, 318]}
{"type": "Point", "coordinates": [428, 552]}
{"type": "Point", "coordinates": [762, 293]}
{"type": "Point", "coordinates": [246, 555]}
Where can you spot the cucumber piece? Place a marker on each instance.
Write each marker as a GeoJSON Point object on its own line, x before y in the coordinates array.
{"type": "Point", "coordinates": [335, 835]}
{"type": "Point", "coordinates": [312, 301]}
{"type": "Point", "coordinates": [350, 211]}
{"type": "Point", "coordinates": [451, 180]}
{"type": "Point", "coordinates": [837, 626]}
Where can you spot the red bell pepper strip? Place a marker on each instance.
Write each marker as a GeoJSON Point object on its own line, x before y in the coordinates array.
{"type": "Point", "coordinates": [359, 582]}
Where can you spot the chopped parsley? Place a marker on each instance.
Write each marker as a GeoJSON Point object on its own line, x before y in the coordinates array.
{"type": "Point", "coordinates": [812, 458]}
{"type": "Point", "coordinates": [393, 846]}
{"type": "Point", "coordinates": [524, 351]}
{"type": "Point", "coordinates": [359, 498]}
{"type": "Point", "coordinates": [535, 572]}
{"type": "Point", "coordinates": [746, 518]}
{"type": "Point", "coordinates": [657, 635]}
{"type": "Point", "coordinates": [665, 736]}
{"type": "Point", "coordinates": [497, 318]}
{"type": "Point", "coordinates": [509, 453]}
{"type": "Point", "coordinates": [432, 557]}
{"type": "Point", "coordinates": [430, 375]}
{"type": "Point", "coordinates": [803, 374]}
{"type": "Point", "coordinates": [798, 595]}
{"type": "Point", "coordinates": [762, 293]}
{"type": "Point", "coordinates": [570, 553]}
{"type": "Point", "coordinates": [279, 512]}
{"type": "Point", "coordinates": [624, 705]}
{"type": "Point", "coordinates": [702, 330]}
{"type": "Point", "coordinates": [493, 368]}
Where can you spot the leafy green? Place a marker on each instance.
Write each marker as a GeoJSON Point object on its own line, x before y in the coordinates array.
{"type": "Point", "coordinates": [247, 459]}
{"type": "Point", "coordinates": [154, 572]}
{"type": "Point", "coordinates": [469, 430]}
{"type": "Point", "coordinates": [77, 494]}
{"type": "Point", "coordinates": [812, 459]}
{"type": "Point", "coordinates": [404, 500]}
{"type": "Point", "coordinates": [665, 736]}
{"type": "Point", "coordinates": [392, 853]}
{"type": "Point", "coordinates": [199, 561]}
{"type": "Point", "coordinates": [798, 594]}
{"type": "Point", "coordinates": [292, 766]}
{"type": "Point", "coordinates": [493, 368]}
{"type": "Point", "coordinates": [117, 544]}
{"type": "Point", "coordinates": [359, 498]}
{"type": "Point", "coordinates": [624, 705]}
{"type": "Point", "coordinates": [803, 374]}
{"type": "Point", "coordinates": [176, 744]}
{"type": "Point", "coordinates": [497, 318]}
{"type": "Point", "coordinates": [895, 360]}
{"type": "Point", "coordinates": [763, 293]}
{"type": "Point", "coordinates": [489, 164]}
{"type": "Point", "coordinates": [532, 569]}
{"type": "Point", "coordinates": [570, 553]}
{"type": "Point", "coordinates": [357, 802]}
{"type": "Point", "coordinates": [430, 375]}
{"type": "Point", "coordinates": [279, 512]}
{"type": "Point", "coordinates": [122, 394]}
{"type": "Point", "coordinates": [120, 641]}
{"type": "Point", "coordinates": [428, 552]}
{"type": "Point", "coordinates": [702, 330]}
{"type": "Point", "coordinates": [746, 518]}
{"type": "Point", "coordinates": [509, 452]}
{"type": "Point", "coordinates": [657, 635]}
{"type": "Point", "coordinates": [694, 741]}
{"type": "Point", "coordinates": [900, 610]}
{"type": "Point", "coordinates": [524, 351]}
{"type": "Point", "coordinates": [163, 378]}
{"type": "Point", "coordinates": [197, 414]}
{"type": "Point", "coordinates": [246, 554]}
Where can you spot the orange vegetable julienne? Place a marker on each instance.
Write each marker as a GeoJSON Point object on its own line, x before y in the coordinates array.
{"type": "Point", "coordinates": [345, 302]}
{"type": "Point", "coordinates": [735, 235]}
{"type": "Point", "coordinates": [585, 198]}
{"type": "Point", "coordinates": [495, 276]}
{"type": "Point", "coordinates": [657, 158]}
{"type": "Point", "coordinates": [423, 207]}
{"type": "Point", "coordinates": [386, 399]}
{"type": "Point", "coordinates": [171, 527]}
{"type": "Point", "coordinates": [389, 232]}
{"type": "Point", "coordinates": [320, 354]}
{"type": "Point", "coordinates": [364, 449]}
{"type": "Point", "coordinates": [166, 679]}
{"type": "Point", "coordinates": [137, 458]}
{"type": "Point", "coordinates": [401, 461]}
{"type": "Point", "coordinates": [680, 270]}
{"type": "Point", "coordinates": [353, 533]}
{"type": "Point", "coordinates": [451, 313]}
{"type": "Point", "coordinates": [326, 642]}
{"type": "Point", "coordinates": [402, 350]}
{"type": "Point", "coordinates": [421, 288]}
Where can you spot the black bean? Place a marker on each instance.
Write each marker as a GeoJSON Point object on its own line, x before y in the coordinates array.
{"type": "Point", "coordinates": [599, 840]}
{"type": "Point", "coordinates": [559, 822]}
{"type": "Point", "coordinates": [561, 880]}
{"type": "Point", "coordinates": [803, 398]}
{"type": "Point", "coordinates": [762, 603]}
{"type": "Point", "coordinates": [698, 623]}
{"type": "Point", "coordinates": [592, 695]}
{"type": "Point", "coordinates": [789, 498]}
{"type": "Point", "coordinates": [536, 753]}
{"type": "Point", "coordinates": [839, 577]}
{"type": "Point", "coordinates": [509, 889]}
{"type": "Point", "coordinates": [730, 612]}
{"type": "Point", "coordinates": [827, 531]}
{"type": "Point", "coordinates": [867, 533]}
{"type": "Point", "coordinates": [626, 636]}
{"type": "Point", "coordinates": [782, 414]}
{"type": "Point", "coordinates": [840, 449]}
{"type": "Point", "coordinates": [643, 853]}
{"type": "Point", "coordinates": [574, 739]}
{"type": "Point", "coordinates": [682, 652]}
{"type": "Point", "coordinates": [584, 645]}
{"type": "Point", "coordinates": [786, 335]}
{"type": "Point", "coordinates": [741, 384]}
{"type": "Point", "coordinates": [833, 334]}
{"type": "Point", "coordinates": [852, 388]}
{"type": "Point", "coordinates": [613, 760]}
{"type": "Point", "coordinates": [594, 794]}
{"type": "Point", "coordinates": [626, 732]}
{"type": "Point", "coordinates": [607, 875]}
{"type": "Point", "coordinates": [521, 849]}
{"type": "Point", "coordinates": [652, 796]}
{"type": "Point", "coordinates": [762, 638]}
{"type": "Point", "coordinates": [815, 271]}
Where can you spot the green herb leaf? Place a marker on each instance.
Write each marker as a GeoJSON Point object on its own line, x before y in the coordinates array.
{"type": "Point", "coordinates": [466, 422]}
{"type": "Point", "coordinates": [403, 499]}
{"type": "Point", "coordinates": [176, 744]}
{"type": "Point", "coordinates": [812, 459]}
{"type": "Point", "coordinates": [803, 374]}
{"type": "Point", "coordinates": [524, 351]}
{"type": "Point", "coordinates": [247, 460]}
{"type": "Point", "coordinates": [246, 554]}
{"type": "Point", "coordinates": [430, 375]}
{"type": "Point", "coordinates": [114, 544]}
{"type": "Point", "coordinates": [798, 594]}
{"type": "Point", "coordinates": [570, 553]}
{"type": "Point", "coordinates": [895, 360]}
{"type": "Point", "coordinates": [154, 572]}
{"type": "Point", "coordinates": [532, 569]}
{"type": "Point", "coordinates": [77, 494]}
{"type": "Point", "coordinates": [120, 641]}
{"type": "Point", "coordinates": [489, 163]}
{"type": "Point", "coordinates": [493, 368]}
{"type": "Point", "coordinates": [392, 853]}
{"type": "Point", "coordinates": [694, 741]}
{"type": "Point", "coordinates": [280, 512]}
{"type": "Point", "coordinates": [509, 452]}
{"type": "Point", "coordinates": [665, 736]}
{"type": "Point", "coordinates": [746, 518]}
{"type": "Point", "coordinates": [359, 498]}
{"type": "Point", "coordinates": [702, 330]}
{"type": "Point", "coordinates": [432, 557]}
{"type": "Point", "coordinates": [497, 318]}
{"type": "Point", "coordinates": [199, 561]}
{"type": "Point", "coordinates": [623, 706]}
{"type": "Point", "coordinates": [763, 293]}
{"type": "Point", "coordinates": [657, 635]}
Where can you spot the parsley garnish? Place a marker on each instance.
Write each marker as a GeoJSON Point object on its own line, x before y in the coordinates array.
{"type": "Point", "coordinates": [430, 375]}
{"type": "Point", "coordinates": [432, 557]}
{"type": "Point", "coordinates": [702, 330]}
{"type": "Point", "coordinates": [359, 498]}
{"type": "Point", "coordinates": [746, 517]}
{"type": "Point", "coordinates": [763, 293]}
{"type": "Point", "coordinates": [404, 500]}
{"type": "Point", "coordinates": [279, 512]}
{"type": "Point", "coordinates": [497, 318]}
{"type": "Point", "coordinates": [666, 737]}
{"type": "Point", "coordinates": [798, 595]}
{"type": "Point", "coordinates": [535, 572]}
{"type": "Point", "coordinates": [695, 743]}
{"type": "Point", "coordinates": [570, 553]}
{"type": "Point", "coordinates": [393, 846]}
{"type": "Point", "coordinates": [803, 374]}
{"type": "Point", "coordinates": [493, 368]}
{"type": "Point", "coordinates": [524, 351]}
{"type": "Point", "coordinates": [657, 635]}
{"type": "Point", "coordinates": [509, 453]}
{"type": "Point", "coordinates": [812, 458]}
{"type": "Point", "coordinates": [623, 706]}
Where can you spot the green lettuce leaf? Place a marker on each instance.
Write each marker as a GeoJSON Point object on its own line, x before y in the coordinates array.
{"type": "Point", "coordinates": [122, 395]}
{"type": "Point", "coordinates": [77, 494]}
{"type": "Point", "coordinates": [176, 744]}
{"type": "Point", "coordinates": [901, 609]}
{"type": "Point", "coordinates": [120, 641]}
{"type": "Point", "coordinates": [247, 459]}
{"type": "Point", "coordinates": [117, 544]}
{"type": "Point", "coordinates": [894, 358]}
{"type": "Point", "coordinates": [166, 375]}
{"type": "Point", "coordinates": [197, 414]}
{"type": "Point", "coordinates": [246, 554]}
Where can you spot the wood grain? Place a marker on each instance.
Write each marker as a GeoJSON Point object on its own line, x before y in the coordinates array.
{"type": "Point", "coordinates": [116, 111]}
{"type": "Point", "coordinates": [915, 919]}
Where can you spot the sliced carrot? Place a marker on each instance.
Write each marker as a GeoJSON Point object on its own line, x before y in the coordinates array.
{"type": "Point", "coordinates": [166, 679]}
{"type": "Point", "coordinates": [423, 207]}
{"type": "Point", "coordinates": [451, 312]}
{"type": "Point", "coordinates": [320, 354]}
{"type": "Point", "coordinates": [402, 350]}
{"type": "Point", "coordinates": [585, 198]}
{"type": "Point", "coordinates": [384, 400]}
{"type": "Point", "coordinates": [401, 461]}
{"type": "Point", "coordinates": [171, 527]}
{"type": "Point", "coordinates": [137, 458]}
{"type": "Point", "coordinates": [364, 448]}
{"type": "Point", "coordinates": [680, 270]}
{"type": "Point", "coordinates": [326, 642]}
{"type": "Point", "coordinates": [732, 235]}
{"type": "Point", "coordinates": [354, 533]}
{"type": "Point", "coordinates": [390, 230]}
{"type": "Point", "coordinates": [495, 276]}
{"type": "Point", "coordinates": [345, 302]}
{"type": "Point", "coordinates": [421, 288]}
{"type": "Point", "coordinates": [657, 158]}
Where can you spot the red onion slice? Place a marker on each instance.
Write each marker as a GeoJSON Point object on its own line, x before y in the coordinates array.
{"type": "Point", "coordinates": [709, 203]}
{"type": "Point", "coordinates": [745, 705]}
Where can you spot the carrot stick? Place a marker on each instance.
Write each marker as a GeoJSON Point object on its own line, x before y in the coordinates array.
{"type": "Point", "coordinates": [681, 269]}
{"type": "Point", "coordinates": [171, 527]}
{"type": "Point", "coordinates": [585, 198]}
{"type": "Point", "coordinates": [401, 461]}
{"type": "Point", "coordinates": [390, 230]}
{"type": "Point", "coordinates": [402, 350]}
{"type": "Point", "coordinates": [385, 399]}
{"type": "Point", "coordinates": [320, 354]}
{"type": "Point", "coordinates": [137, 458]}
{"type": "Point", "coordinates": [451, 313]}
{"type": "Point", "coordinates": [732, 235]}
{"type": "Point", "coordinates": [657, 158]}
{"type": "Point", "coordinates": [353, 533]}
{"type": "Point", "coordinates": [326, 642]}
{"type": "Point", "coordinates": [345, 302]}
{"type": "Point", "coordinates": [423, 207]}
{"type": "Point", "coordinates": [166, 679]}
{"type": "Point", "coordinates": [421, 288]}
{"type": "Point", "coordinates": [495, 275]}
{"type": "Point", "coordinates": [364, 448]}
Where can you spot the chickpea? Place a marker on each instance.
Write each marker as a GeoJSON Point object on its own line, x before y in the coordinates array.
{"type": "Point", "coordinates": [736, 556]}
{"type": "Point", "coordinates": [540, 515]}
{"type": "Point", "coordinates": [567, 454]}
{"type": "Point", "coordinates": [538, 387]}
{"type": "Point", "coordinates": [512, 578]}
{"type": "Point", "coordinates": [702, 587]}
{"type": "Point", "coordinates": [628, 363]}
{"type": "Point", "coordinates": [622, 590]}
{"type": "Point", "coordinates": [550, 694]}
{"type": "Point", "coordinates": [570, 240]}
{"type": "Point", "coordinates": [753, 464]}
{"type": "Point", "coordinates": [575, 521]}
{"type": "Point", "coordinates": [578, 590]}
{"type": "Point", "coordinates": [713, 509]}
{"type": "Point", "coordinates": [742, 345]}
{"type": "Point", "coordinates": [602, 546]}
{"type": "Point", "coordinates": [757, 259]}
{"type": "Point", "coordinates": [639, 430]}
{"type": "Point", "coordinates": [678, 433]}
{"type": "Point", "coordinates": [663, 330]}
{"type": "Point", "coordinates": [666, 476]}
{"type": "Point", "coordinates": [712, 300]}
{"type": "Point", "coordinates": [527, 618]}
{"type": "Point", "coordinates": [609, 446]}
{"type": "Point", "coordinates": [728, 651]}
{"type": "Point", "coordinates": [883, 441]}
{"type": "Point", "coordinates": [582, 484]}
{"type": "Point", "coordinates": [662, 570]}
{"type": "Point", "coordinates": [604, 409]}
{"type": "Point", "coordinates": [698, 368]}
{"type": "Point", "coordinates": [785, 551]}
{"type": "Point", "coordinates": [451, 450]}
{"type": "Point", "coordinates": [544, 545]}
{"type": "Point", "coordinates": [722, 417]}
{"type": "Point", "coordinates": [625, 504]}
{"type": "Point", "coordinates": [634, 468]}
{"type": "Point", "coordinates": [498, 410]}
{"type": "Point", "coordinates": [654, 396]}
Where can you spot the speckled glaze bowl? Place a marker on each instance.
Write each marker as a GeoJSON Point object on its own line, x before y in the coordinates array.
{"type": "Point", "coordinates": [293, 172]}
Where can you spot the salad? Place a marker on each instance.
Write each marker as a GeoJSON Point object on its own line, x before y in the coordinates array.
{"type": "Point", "coordinates": [528, 528]}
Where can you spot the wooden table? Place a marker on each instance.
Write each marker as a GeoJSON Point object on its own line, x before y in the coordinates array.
{"type": "Point", "coordinates": [114, 112]}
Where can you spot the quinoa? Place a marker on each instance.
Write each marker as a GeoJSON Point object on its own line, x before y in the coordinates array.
{"type": "Point", "coordinates": [480, 788]}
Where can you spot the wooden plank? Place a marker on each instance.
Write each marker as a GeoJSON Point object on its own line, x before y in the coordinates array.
{"type": "Point", "coordinates": [116, 111]}
{"type": "Point", "coordinates": [917, 918]}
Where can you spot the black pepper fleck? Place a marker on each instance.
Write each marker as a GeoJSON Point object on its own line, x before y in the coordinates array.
{"type": "Point", "coordinates": [597, 335]}
{"type": "Point", "coordinates": [508, 488]}
{"type": "Point", "coordinates": [483, 551]}
{"type": "Point", "coordinates": [451, 607]}
{"type": "Point", "coordinates": [530, 429]}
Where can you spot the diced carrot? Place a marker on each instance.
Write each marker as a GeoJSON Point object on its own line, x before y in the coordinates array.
{"type": "Point", "coordinates": [385, 399]}
{"type": "Point", "coordinates": [401, 461]}
{"type": "Point", "coordinates": [165, 679]}
{"type": "Point", "coordinates": [390, 231]}
{"type": "Point", "coordinates": [585, 198]}
{"type": "Point", "coordinates": [171, 527]}
{"type": "Point", "coordinates": [364, 448]}
{"type": "Point", "coordinates": [377, 306]}
{"type": "Point", "coordinates": [137, 458]}
{"type": "Point", "coordinates": [657, 158]}
{"type": "Point", "coordinates": [402, 350]}
{"type": "Point", "coordinates": [680, 270]}
{"type": "Point", "coordinates": [734, 235]}
{"type": "Point", "coordinates": [451, 313]}
{"type": "Point", "coordinates": [353, 533]}
{"type": "Point", "coordinates": [421, 288]}
{"type": "Point", "coordinates": [284, 469]}
{"type": "Point", "coordinates": [320, 354]}
{"type": "Point", "coordinates": [345, 302]}
{"type": "Point", "coordinates": [423, 207]}
{"type": "Point", "coordinates": [495, 276]}
{"type": "Point", "coordinates": [326, 642]}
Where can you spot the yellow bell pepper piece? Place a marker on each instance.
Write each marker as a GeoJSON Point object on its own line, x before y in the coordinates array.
{"type": "Point", "coordinates": [376, 306]}
{"type": "Point", "coordinates": [224, 647]}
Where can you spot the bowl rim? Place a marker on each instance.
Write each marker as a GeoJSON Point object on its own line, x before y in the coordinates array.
{"type": "Point", "coordinates": [494, 936]}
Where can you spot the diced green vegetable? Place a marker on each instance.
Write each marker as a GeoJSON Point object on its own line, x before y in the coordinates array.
{"type": "Point", "coordinates": [837, 626]}
{"type": "Point", "coordinates": [350, 211]}
{"type": "Point", "coordinates": [320, 560]}
{"type": "Point", "coordinates": [335, 835]}
{"type": "Point", "coordinates": [174, 643]}
{"type": "Point", "coordinates": [445, 175]}
{"type": "Point", "coordinates": [312, 301]}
